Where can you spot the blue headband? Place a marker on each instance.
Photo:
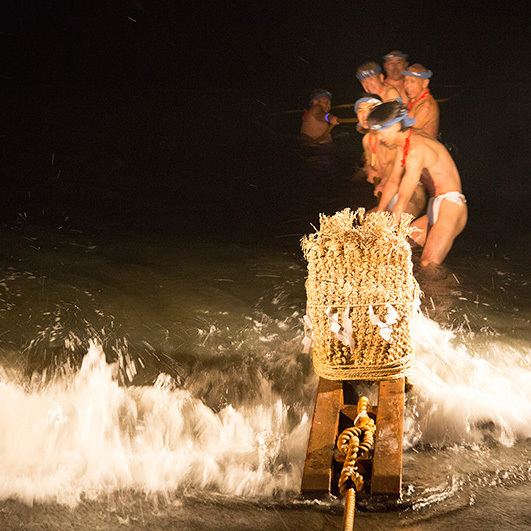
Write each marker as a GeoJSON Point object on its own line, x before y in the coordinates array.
{"type": "Point", "coordinates": [422, 75]}
{"type": "Point", "coordinates": [368, 73]}
{"type": "Point", "coordinates": [402, 117]}
{"type": "Point", "coordinates": [368, 100]}
{"type": "Point", "coordinates": [324, 94]}
{"type": "Point", "coordinates": [390, 55]}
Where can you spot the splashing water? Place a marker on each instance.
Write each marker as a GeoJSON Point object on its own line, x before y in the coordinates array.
{"type": "Point", "coordinates": [89, 435]}
{"type": "Point", "coordinates": [84, 433]}
{"type": "Point", "coordinates": [467, 391]}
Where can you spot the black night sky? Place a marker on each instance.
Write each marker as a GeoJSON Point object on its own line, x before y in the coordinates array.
{"type": "Point", "coordinates": [144, 110]}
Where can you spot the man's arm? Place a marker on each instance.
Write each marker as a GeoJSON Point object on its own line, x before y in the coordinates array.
{"type": "Point", "coordinates": [393, 182]}
{"type": "Point", "coordinates": [370, 170]}
{"type": "Point", "coordinates": [409, 182]}
{"type": "Point", "coordinates": [317, 112]}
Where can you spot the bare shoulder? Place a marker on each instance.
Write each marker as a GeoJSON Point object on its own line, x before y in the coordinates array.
{"type": "Point", "coordinates": [315, 111]}
{"type": "Point", "coordinates": [425, 106]}
{"type": "Point", "coordinates": [420, 137]}
{"type": "Point", "coordinates": [391, 93]}
{"type": "Point", "coordinates": [424, 146]}
{"type": "Point", "coordinates": [431, 103]}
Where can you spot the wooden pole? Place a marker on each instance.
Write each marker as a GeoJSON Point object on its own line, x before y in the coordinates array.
{"type": "Point", "coordinates": [387, 460]}
{"type": "Point", "coordinates": [317, 474]}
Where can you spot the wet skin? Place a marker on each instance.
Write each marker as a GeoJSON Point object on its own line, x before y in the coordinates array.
{"type": "Point", "coordinates": [426, 157]}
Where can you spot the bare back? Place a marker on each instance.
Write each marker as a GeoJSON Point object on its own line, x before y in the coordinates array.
{"type": "Point", "coordinates": [421, 156]}
{"type": "Point", "coordinates": [399, 86]}
{"type": "Point", "coordinates": [437, 163]}
{"type": "Point", "coordinates": [389, 93]}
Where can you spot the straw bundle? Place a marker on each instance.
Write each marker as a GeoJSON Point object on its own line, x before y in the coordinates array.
{"type": "Point", "coordinates": [361, 293]}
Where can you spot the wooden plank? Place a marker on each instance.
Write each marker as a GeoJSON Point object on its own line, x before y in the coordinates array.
{"type": "Point", "coordinates": [387, 461]}
{"type": "Point", "coordinates": [317, 474]}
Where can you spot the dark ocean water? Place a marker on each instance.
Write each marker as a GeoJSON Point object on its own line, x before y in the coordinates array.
{"type": "Point", "coordinates": [152, 283]}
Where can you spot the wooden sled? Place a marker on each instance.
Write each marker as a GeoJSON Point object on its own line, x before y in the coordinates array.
{"type": "Point", "coordinates": [335, 410]}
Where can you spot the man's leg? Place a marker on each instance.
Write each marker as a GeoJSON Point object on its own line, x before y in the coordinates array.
{"type": "Point", "coordinates": [419, 236]}
{"type": "Point", "coordinates": [417, 204]}
{"type": "Point", "coordinates": [451, 221]}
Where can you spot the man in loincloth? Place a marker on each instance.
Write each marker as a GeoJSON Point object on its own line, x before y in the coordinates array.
{"type": "Point", "coordinates": [419, 157]}
{"type": "Point", "coordinates": [421, 106]}
{"type": "Point", "coordinates": [317, 122]}
{"type": "Point", "coordinates": [371, 78]}
{"type": "Point", "coordinates": [395, 63]}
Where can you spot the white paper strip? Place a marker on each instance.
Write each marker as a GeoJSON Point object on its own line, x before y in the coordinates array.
{"type": "Point", "coordinates": [386, 328]}
{"type": "Point", "coordinates": [307, 341]}
{"type": "Point", "coordinates": [343, 330]}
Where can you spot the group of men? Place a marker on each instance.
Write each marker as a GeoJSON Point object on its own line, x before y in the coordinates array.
{"type": "Point", "coordinates": [411, 170]}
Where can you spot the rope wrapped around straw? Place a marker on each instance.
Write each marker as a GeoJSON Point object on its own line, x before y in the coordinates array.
{"type": "Point", "coordinates": [361, 294]}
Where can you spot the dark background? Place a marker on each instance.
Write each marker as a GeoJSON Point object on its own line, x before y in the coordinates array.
{"type": "Point", "coordinates": [143, 113]}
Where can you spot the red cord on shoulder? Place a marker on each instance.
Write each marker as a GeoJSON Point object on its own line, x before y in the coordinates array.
{"type": "Point", "coordinates": [406, 149]}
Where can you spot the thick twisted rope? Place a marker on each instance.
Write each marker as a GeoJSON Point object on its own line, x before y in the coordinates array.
{"type": "Point", "coordinates": [348, 443]}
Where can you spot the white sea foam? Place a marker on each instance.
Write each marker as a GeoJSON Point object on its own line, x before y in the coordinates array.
{"type": "Point", "coordinates": [89, 435]}
{"type": "Point", "coordinates": [84, 433]}
{"type": "Point", "coordinates": [467, 389]}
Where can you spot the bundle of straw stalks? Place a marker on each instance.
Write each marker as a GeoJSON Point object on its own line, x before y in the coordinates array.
{"type": "Point", "coordinates": [360, 273]}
